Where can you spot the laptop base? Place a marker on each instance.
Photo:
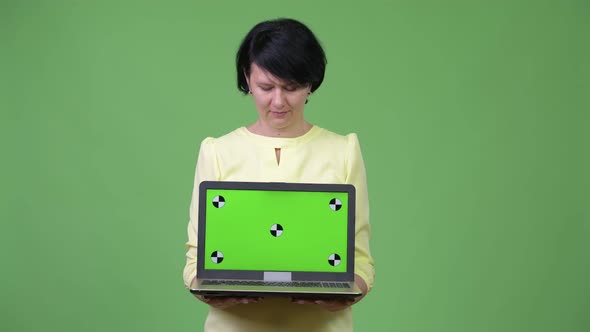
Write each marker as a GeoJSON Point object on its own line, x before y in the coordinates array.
{"type": "Point", "coordinates": [316, 293]}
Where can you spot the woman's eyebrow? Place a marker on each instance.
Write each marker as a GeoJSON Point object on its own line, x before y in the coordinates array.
{"type": "Point", "coordinates": [282, 85]}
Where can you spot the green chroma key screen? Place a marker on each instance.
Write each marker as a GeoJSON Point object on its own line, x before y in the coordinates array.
{"type": "Point", "coordinates": [276, 230]}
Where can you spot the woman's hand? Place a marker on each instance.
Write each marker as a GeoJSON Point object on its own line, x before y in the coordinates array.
{"type": "Point", "coordinates": [226, 302]}
{"type": "Point", "coordinates": [330, 305]}
{"type": "Point", "coordinates": [335, 305]}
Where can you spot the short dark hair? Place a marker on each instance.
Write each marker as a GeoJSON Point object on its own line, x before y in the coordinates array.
{"type": "Point", "coordinates": [284, 47]}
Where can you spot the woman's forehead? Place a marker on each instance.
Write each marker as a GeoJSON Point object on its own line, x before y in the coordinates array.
{"type": "Point", "coordinates": [260, 74]}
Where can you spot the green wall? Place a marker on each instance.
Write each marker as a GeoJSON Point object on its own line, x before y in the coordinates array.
{"type": "Point", "coordinates": [473, 119]}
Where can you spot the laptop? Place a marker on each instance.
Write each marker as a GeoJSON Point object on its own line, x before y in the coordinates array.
{"type": "Point", "coordinates": [276, 239]}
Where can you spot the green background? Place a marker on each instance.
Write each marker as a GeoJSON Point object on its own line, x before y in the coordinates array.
{"type": "Point", "coordinates": [312, 231]}
{"type": "Point", "coordinates": [472, 117]}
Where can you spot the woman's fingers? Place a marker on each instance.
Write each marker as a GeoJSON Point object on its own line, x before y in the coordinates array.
{"type": "Point", "coordinates": [226, 302]}
{"type": "Point", "coordinates": [331, 305]}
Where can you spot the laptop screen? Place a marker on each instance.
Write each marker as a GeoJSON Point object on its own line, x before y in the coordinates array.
{"type": "Point", "coordinates": [276, 227]}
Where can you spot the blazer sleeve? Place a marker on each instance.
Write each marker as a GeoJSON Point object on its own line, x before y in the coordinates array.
{"type": "Point", "coordinates": [207, 169]}
{"type": "Point", "coordinates": [356, 175]}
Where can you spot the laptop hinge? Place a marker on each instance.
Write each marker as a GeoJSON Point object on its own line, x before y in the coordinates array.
{"type": "Point", "coordinates": [277, 276]}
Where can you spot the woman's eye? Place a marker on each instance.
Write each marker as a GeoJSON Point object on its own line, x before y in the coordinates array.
{"type": "Point", "coordinates": [290, 88]}
{"type": "Point", "coordinates": [266, 88]}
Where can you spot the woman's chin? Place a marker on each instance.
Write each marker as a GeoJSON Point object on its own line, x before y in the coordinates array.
{"type": "Point", "coordinates": [279, 123]}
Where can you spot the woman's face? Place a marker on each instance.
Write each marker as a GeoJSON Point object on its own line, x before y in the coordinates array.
{"type": "Point", "coordinates": [280, 104]}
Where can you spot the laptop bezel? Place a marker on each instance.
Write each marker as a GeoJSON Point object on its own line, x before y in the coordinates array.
{"type": "Point", "coordinates": [202, 273]}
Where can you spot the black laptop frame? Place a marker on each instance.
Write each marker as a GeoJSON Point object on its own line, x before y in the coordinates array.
{"type": "Point", "coordinates": [202, 273]}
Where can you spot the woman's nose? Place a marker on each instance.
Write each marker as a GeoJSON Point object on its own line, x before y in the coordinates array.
{"type": "Point", "coordinates": [278, 98]}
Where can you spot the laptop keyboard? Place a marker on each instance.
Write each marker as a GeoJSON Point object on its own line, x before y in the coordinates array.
{"type": "Point", "coordinates": [278, 283]}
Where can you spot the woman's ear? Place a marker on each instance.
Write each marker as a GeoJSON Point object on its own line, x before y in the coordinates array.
{"type": "Point", "coordinates": [247, 81]}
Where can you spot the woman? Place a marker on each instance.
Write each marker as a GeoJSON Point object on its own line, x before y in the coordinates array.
{"type": "Point", "coordinates": [280, 63]}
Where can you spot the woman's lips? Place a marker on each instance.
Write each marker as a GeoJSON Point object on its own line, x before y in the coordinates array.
{"type": "Point", "coordinates": [278, 114]}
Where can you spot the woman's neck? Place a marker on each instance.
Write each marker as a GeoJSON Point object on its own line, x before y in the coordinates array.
{"type": "Point", "coordinates": [296, 130]}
